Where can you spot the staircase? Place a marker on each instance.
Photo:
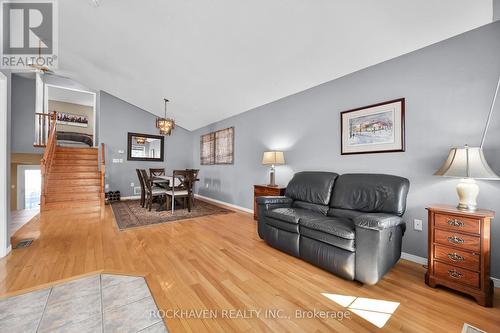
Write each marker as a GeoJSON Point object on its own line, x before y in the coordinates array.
{"type": "Point", "coordinates": [74, 179]}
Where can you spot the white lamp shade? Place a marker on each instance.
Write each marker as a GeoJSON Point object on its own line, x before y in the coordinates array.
{"type": "Point", "coordinates": [467, 162]}
{"type": "Point", "coordinates": [273, 158]}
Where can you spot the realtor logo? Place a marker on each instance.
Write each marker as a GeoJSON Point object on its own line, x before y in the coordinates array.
{"type": "Point", "coordinates": [28, 34]}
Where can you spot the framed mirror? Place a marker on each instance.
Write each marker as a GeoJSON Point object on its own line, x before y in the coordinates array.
{"type": "Point", "coordinates": [145, 147]}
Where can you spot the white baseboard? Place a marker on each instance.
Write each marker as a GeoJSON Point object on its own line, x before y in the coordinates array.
{"type": "Point", "coordinates": [496, 282]}
{"type": "Point", "coordinates": [133, 197]}
{"type": "Point", "coordinates": [414, 258]}
{"type": "Point", "coordinates": [224, 203]}
{"type": "Point", "coordinates": [6, 251]}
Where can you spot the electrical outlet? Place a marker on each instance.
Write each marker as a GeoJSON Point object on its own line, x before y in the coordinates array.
{"type": "Point", "coordinates": [106, 186]}
{"type": "Point", "coordinates": [132, 184]}
{"type": "Point", "coordinates": [417, 225]}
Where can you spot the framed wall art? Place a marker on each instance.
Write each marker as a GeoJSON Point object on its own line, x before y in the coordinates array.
{"type": "Point", "coordinates": [378, 128]}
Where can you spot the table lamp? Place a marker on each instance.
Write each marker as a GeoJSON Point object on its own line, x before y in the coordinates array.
{"type": "Point", "coordinates": [273, 158]}
{"type": "Point", "coordinates": [469, 164]}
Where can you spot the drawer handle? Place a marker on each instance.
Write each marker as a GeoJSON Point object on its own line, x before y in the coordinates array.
{"type": "Point", "coordinates": [455, 257]}
{"type": "Point", "coordinates": [454, 274]}
{"type": "Point", "coordinates": [456, 223]}
{"type": "Point", "coordinates": [455, 240]}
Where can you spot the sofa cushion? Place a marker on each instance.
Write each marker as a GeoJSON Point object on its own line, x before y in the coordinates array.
{"type": "Point", "coordinates": [337, 226]}
{"type": "Point", "coordinates": [292, 215]}
{"type": "Point", "coordinates": [323, 209]}
{"type": "Point", "coordinates": [320, 236]}
{"type": "Point", "coordinates": [290, 227]}
{"type": "Point", "coordinates": [335, 231]}
{"type": "Point", "coordinates": [374, 193]}
{"type": "Point", "coordinates": [311, 186]}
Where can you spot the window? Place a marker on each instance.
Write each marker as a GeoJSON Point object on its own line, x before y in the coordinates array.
{"type": "Point", "coordinates": [217, 147]}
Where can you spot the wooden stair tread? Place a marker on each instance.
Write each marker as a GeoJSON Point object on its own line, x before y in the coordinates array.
{"type": "Point", "coordinates": [74, 179]}
{"type": "Point", "coordinates": [72, 204]}
{"type": "Point", "coordinates": [58, 162]}
{"type": "Point", "coordinates": [75, 189]}
{"type": "Point", "coordinates": [60, 156]}
{"type": "Point", "coordinates": [77, 150]}
{"type": "Point", "coordinates": [74, 175]}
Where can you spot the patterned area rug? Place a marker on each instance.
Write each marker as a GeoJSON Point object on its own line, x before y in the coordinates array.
{"type": "Point", "coordinates": [130, 214]}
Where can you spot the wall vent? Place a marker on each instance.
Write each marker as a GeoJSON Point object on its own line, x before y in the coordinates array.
{"type": "Point", "coordinates": [137, 190]}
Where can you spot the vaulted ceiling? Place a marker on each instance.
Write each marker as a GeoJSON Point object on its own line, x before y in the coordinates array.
{"type": "Point", "coordinates": [214, 59]}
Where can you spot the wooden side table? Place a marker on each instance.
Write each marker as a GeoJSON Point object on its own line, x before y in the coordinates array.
{"type": "Point", "coordinates": [459, 251]}
{"type": "Point", "coordinates": [263, 190]}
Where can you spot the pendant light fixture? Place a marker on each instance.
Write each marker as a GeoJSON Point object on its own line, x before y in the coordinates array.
{"type": "Point", "coordinates": [166, 125]}
{"type": "Point", "coordinates": [140, 140]}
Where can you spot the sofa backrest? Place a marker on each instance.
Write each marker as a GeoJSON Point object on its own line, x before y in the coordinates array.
{"type": "Point", "coordinates": [313, 187]}
{"type": "Point", "coordinates": [374, 193]}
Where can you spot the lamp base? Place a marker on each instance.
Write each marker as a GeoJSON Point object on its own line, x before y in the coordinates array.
{"type": "Point", "coordinates": [272, 181]}
{"type": "Point", "coordinates": [467, 191]}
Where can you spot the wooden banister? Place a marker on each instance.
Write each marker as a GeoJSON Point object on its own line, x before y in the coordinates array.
{"type": "Point", "coordinates": [103, 172]}
{"type": "Point", "coordinates": [43, 126]}
{"type": "Point", "coordinates": [48, 157]}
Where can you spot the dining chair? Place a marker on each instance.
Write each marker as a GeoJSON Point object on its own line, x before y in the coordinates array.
{"type": "Point", "coordinates": [151, 190]}
{"type": "Point", "coordinates": [182, 190]}
{"type": "Point", "coordinates": [194, 179]}
{"type": "Point", "coordinates": [143, 187]}
{"type": "Point", "coordinates": [156, 172]}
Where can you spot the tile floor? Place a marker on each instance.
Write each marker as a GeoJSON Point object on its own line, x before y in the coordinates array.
{"type": "Point", "coordinates": [98, 303]}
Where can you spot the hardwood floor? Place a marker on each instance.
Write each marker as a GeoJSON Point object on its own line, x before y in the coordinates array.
{"type": "Point", "coordinates": [219, 263]}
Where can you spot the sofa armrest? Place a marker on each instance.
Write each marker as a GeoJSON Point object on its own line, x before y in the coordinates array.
{"type": "Point", "coordinates": [266, 203]}
{"type": "Point", "coordinates": [274, 200]}
{"type": "Point", "coordinates": [378, 221]}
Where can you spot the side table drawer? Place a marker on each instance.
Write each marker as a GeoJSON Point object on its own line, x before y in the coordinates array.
{"type": "Point", "coordinates": [457, 257]}
{"type": "Point", "coordinates": [456, 274]}
{"type": "Point", "coordinates": [458, 240]}
{"type": "Point", "coordinates": [458, 223]}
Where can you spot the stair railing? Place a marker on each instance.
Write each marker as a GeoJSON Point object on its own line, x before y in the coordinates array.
{"type": "Point", "coordinates": [43, 128]}
{"type": "Point", "coordinates": [103, 172]}
{"type": "Point", "coordinates": [48, 157]}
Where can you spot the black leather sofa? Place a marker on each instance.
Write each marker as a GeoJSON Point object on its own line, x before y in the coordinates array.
{"type": "Point", "coordinates": [349, 225]}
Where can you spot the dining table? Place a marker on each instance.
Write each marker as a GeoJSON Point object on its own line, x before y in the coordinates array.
{"type": "Point", "coordinates": [166, 180]}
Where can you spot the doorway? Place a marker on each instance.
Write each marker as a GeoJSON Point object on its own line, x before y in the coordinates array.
{"type": "Point", "coordinates": [29, 186]}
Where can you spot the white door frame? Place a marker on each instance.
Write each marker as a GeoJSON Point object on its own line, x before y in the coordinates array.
{"type": "Point", "coordinates": [4, 210]}
{"type": "Point", "coordinates": [21, 182]}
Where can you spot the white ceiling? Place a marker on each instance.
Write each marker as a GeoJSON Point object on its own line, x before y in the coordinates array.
{"type": "Point", "coordinates": [70, 96]}
{"type": "Point", "coordinates": [214, 59]}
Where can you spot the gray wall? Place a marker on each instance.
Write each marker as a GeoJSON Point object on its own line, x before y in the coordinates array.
{"type": "Point", "coordinates": [23, 115]}
{"type": "Point", "coordinates": [117, 118]}
{"type": "Point", "coordinates": [496, 10]}
{"type": "Point", "coordinates": [448, 89]}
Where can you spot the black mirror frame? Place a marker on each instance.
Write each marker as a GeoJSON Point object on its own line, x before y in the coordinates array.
{"type": "Point", "coordinates": [145, 159]}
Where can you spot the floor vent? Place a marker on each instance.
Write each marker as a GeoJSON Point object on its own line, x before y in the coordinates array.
{"type": "Point", "coordinates": [23, 243]}
{"type": "Point", "coordinates": [471, 329]}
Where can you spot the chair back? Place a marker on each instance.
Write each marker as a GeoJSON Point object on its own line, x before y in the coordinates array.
{"type": "Point", "coordinates": [194, 173]}
{"type": "Point", "coordinates": [141, 180]}
{"type": "Point", "coordinates": [187, 180]}
{"type": "Point", "coordinates": [147, 180]}
{"type": "Point", "coordinates": [156, 172]}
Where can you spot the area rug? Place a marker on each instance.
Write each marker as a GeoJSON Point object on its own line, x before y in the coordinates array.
{"type": "Point", "coordinates": [130, 214]}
